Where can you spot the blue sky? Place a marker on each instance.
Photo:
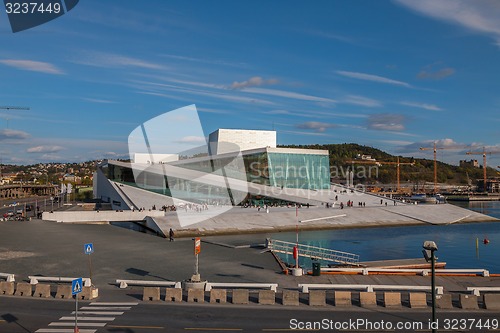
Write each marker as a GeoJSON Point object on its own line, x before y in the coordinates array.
{"type": "Point", "coordinates": [394, 75]}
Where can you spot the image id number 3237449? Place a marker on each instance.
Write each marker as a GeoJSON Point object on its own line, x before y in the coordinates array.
{"type": "Point", "coordinates": [469, 324]}
{"type": "Point", "coordinates": [26, 7]}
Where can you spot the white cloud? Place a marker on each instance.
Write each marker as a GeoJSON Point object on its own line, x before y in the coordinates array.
{"type": "Point", "coordinates": [362, 101]}
{"type": "Point", "coordinates": [479, 15]}
{"type": "Point", "coordinates": [7, 134]}
{"type": "Point", "coordinates": [97, 100]}
{"type": "Point", "coordinates": [435, 74]}
{"type": "Point", "coordinates": [34, 66]}
{"type": "Point", "coordinates": [278, 112]}
{"type": "Point", "coordinates": [316, 126]}
{"type": "Point", "coordinates": [288, 94]}
{"type": "Point", "coordinates": [253, 82]}
{"type": "Point", "coordinates": [373, 78]}
{"type": "Point", "coordinates": [44, 149]}
{"type": "Point", "coordinates": [440, 143]}
{"type": "Point", "coordinates": [430, 107]}
{"type": "Point", "coordinates": [305, 133]}
{"type": "Point", "coordinates": [110, 60]}
{"type": "Point", "coordinates": [386, 122]}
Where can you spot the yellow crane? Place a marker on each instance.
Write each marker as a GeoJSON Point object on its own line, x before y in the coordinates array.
{"type": "Point", "coordinates": [435, 149]}
{"type": "Point", "coordinates": [484, 152]}
{"type": "Point", "coordinates": [385, 163]}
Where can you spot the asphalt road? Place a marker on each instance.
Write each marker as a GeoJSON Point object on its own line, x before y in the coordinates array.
{"type": "Point", "coordinates": [19, 315]}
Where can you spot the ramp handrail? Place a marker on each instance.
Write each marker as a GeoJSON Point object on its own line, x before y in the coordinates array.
{"type": "Point", "coordinates": [313, 252]}
{"type": "Point", "coordinates": [421, 271]}
{"type": "Point", "coordinates": [272, 286]}
{"type": "Point", "coordinates": [367, 287]}
{"type": "Point", "coordinates": [8, 277]}
{"type": "Point", "coordinates": [36, 279]}
{"type": "Point", "coordinates": [125, 283]}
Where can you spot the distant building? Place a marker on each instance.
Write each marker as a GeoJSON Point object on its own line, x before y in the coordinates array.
{"type": "Point", "coordinates": [224, 141]}
{"type": "Point", "coordinates": [244, 163]}
{"type": "Point", "coordinates": [471, 163]}
{"type": "Point", "coordinates": [365, 157]}
{"type": "Point", "coordinates": [492, 185]}
{"type": "Point", "coordinates": [69, 177]}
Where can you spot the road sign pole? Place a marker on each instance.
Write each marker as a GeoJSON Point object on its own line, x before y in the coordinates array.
{"type": "Point", "coordinates": [76, 288]}
{"type": "Point", "coordinates": [90, 266]}
{"type": "Point", "coordinates": [76, 313]}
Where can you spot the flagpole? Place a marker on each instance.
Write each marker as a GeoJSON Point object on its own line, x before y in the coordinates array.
{"type": "Point", "coordinates": [297, 235]}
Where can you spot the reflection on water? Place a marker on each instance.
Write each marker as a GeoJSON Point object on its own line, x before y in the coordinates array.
{"type": "Point", "coordinates": [456, 243]}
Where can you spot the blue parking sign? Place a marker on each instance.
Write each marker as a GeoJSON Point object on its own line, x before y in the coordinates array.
{"type": "Point", "coordinates": [76, 286]}
{"type": "Point", "coordinates": [88, 248]}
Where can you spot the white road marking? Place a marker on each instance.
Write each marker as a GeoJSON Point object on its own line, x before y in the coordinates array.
{"type": "Point", "coordinates": [113, 303]}
{"type": "Point", "coordinates": [105, 308]}
{"type": "Point", "coordinates": [99, 313]}
{"type": "Point", "coordinates": [89, 318]}
{"type": "Point", "coordinates": [72, 323]}
{"type": "Point", "coordinates": [62, 330]}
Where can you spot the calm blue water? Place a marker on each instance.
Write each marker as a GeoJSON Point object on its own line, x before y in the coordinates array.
{"type": "Point", "coordinates": [456, 243]}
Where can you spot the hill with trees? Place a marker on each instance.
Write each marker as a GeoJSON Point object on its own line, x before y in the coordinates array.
{"type": "Point", "coordinates": [421, 171]}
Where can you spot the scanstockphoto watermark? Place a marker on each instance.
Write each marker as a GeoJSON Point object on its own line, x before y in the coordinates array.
{"type": "Point", "coordinates": [359, 324]}
{"type": "Point", "coordinates": [262, 170]}
{"type": "Point", "coordinates": [362, 324]}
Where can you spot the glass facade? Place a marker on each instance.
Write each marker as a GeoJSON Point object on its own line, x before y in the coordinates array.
{"type": "Point", "coordinates": [275, 169]}
{"type": "Point", "coordinates": [306, 171]}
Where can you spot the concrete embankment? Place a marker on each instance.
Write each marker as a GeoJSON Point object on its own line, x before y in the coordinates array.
{"type": "Point", "coordinates": [250, 220]}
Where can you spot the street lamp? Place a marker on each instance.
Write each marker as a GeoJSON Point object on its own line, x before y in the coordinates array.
{"type": "Point", "coordinates": [430, 246]}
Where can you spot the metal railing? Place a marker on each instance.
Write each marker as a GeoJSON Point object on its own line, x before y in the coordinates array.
{"type": "Point", "coordinates": [313, 252]}
{"type": "Point", "coordinates": [126, 283]}
{"type": "Point", "coordinates": [305, 287]}
{"type": "Point", "coordinates": [210, 285]}
{"type": "Point", "coordinates": [35, 279]}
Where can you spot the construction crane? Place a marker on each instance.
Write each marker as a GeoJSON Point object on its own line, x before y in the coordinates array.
{"type": "Point", "coordinates": [10, 108]}
{"type": "Point", "coordinates": [385, 163]}
{"type": "Point", "coordinates": [435, 149]}
{"type": "Point", "coordinates": [14, 108]}
{"type": "Point", "coordinates": [3, 107]}
{"type": "Point", "coordinates": [484, 152]}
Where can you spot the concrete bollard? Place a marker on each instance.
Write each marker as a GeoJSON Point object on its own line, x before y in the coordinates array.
{"type": "Point", "coordinates": [240, 296]}
{"type": "Point", "coordinates": [42, 290]}
{"type": "Point", "coordinates": [444, 301]}
{"type": "Point", "coordinates": [196, 295]}
{"type": "Point", "coordinates": [88, 293]}
{"type": "Point", "coordinates": [343, 298]}
{"type": "Point", "coordinates": [173, 295]}
{"type": "Point", "coordinates": [151, 294]}
{"type": "Point", "coordinates": [290, 297]}
{"type": "Point", "coordinates": [367, 299]}
{"type": "Point", "coordinates": [64, 291]}
{"type": "Point", "coordinates": [418, 300]}
{"type": "Point", "coordinates": [267, 297]}
{"type": "Point", "coordinates": [492, 301]}
{"type": "Point", "coordinates": [6, 288]}
{"type": "Point", "coordinates": [23, 289]}
{"type": "Point", "coordinates": [392, 299]}
{"type": "Point", "coordinates": [317, 297]}
{"type": "Point", "coordinates": [468, 302]}
{"type": "Point", "coordinates": [218, 296]}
